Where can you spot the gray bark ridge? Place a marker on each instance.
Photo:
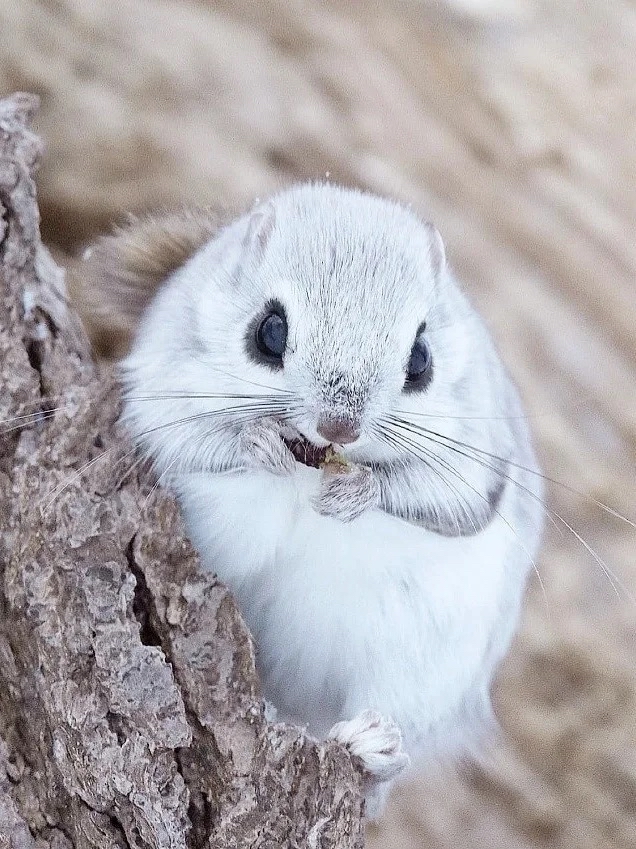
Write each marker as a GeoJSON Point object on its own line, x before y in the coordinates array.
{"type": "Point", "coordinates": [130, 711]}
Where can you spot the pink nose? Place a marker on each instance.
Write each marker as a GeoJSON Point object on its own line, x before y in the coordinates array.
{"type": "Point", "coordinates": [339, 430]}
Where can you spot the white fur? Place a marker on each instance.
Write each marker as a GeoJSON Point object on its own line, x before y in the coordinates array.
{"type": "Point", "coordinates": [406, 609]}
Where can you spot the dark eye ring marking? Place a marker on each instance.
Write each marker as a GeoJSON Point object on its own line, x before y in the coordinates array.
{"type": "Point", "coordinates": [419, 370]}
{"type": "Point", "coordinates": [266, 338]}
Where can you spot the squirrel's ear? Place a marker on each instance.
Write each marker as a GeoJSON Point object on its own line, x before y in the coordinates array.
{"type": "Point", "coordinates": [121, 273]}
{"type": "Point", "coordinates": [436, 250]}
{"type": "Point", "coordinates": [259, 228]}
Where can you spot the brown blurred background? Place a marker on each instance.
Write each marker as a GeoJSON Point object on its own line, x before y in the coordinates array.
{"type": "Point", "coordinates": [512, 124]}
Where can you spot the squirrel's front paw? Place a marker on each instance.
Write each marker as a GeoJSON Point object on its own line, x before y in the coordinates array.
{"type": "Point", "coordinates": [375, 741]}
{"type": "Point", "coordinates": [263, 447]}
{"type": "Point", "coordinates": [345, 495]}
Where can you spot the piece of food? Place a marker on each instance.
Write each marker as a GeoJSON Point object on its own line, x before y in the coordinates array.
{"type": "Point", "coordinates": [335, 463]}
{"type": "Point", "coordinates": [308, 454]}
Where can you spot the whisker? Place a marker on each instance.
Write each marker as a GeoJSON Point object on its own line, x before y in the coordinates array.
{"type": "Point", "coordinates": [552, 514]}
{"type": "Point", "coordinates": [238, 414]}
{"type": "Point", "coordinates": [454, 471]}
{"type": "Point", "coordinates": [474, 418]}
{"type": "Point", "coordinates": [265, 409]}
{"type": "Point", "coordinates": [170, 465]}
{"type": "Point", "coordinates": [27, 419]}
{"type": "Point", "coordinates": [138, 462]}
{"type": "Point", "coordinates": [203, 395]}
{"type": "Point", "coordinates": [275, 389]}
{"type": "Point", "coordinates": [206, 434]}
{"type": "Point", "coordinates": [602, 506]}
{"type": "Point", "coordinates": [55, 493]}
{"type": "Point", "coordinates": [400, 442]}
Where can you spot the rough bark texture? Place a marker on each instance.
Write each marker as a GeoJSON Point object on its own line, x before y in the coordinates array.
{"type": "Point", "coordinates": [129, 704]}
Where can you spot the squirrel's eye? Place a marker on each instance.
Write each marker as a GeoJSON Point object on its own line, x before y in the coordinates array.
{"type": "Point", "coordinates": [420, 368]}
{"type": "Point", "coordinates": [271, 336]}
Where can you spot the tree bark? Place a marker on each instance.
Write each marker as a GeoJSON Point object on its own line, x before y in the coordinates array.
{"type": "Point", "coordinates": [130, 712]}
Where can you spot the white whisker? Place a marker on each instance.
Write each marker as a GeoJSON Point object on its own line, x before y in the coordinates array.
{"type": "Point", "coordinates": [431, 455]}
{"type": "Point", "coordinates": [553, 516]}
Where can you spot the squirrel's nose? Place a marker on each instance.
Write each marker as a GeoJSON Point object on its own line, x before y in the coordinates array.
{"type": "Point", "coordinates": [339, 430]}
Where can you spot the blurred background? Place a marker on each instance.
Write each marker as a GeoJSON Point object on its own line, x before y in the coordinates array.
{"type": "Point", "coordinates": [510, 123]}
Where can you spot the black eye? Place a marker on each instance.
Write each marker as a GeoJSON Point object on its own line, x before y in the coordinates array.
{"type": "Point", "coordinates": [271, 335]}
{"type": "Point", "coordinates": [420, 368]}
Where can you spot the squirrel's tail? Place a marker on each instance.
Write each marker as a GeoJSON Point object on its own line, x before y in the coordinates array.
{"type": "Point", "coordinates": [119, 274]}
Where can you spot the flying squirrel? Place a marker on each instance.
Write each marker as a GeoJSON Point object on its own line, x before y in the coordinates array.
{"type": "Point", "coordinates": [349, 453]}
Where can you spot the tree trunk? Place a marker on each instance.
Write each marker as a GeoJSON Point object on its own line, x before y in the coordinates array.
{"type": "Point", "coordinates": [130, 713]}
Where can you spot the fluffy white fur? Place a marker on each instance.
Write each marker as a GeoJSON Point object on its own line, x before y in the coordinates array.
{"type": "Point", "coordinates": [400, 592]}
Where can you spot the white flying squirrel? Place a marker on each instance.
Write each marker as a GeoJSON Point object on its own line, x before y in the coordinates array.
{"type": "Point", "coordinates": [349, 453]}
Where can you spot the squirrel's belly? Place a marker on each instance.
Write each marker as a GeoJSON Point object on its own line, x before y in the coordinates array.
{"type": "Point", "coordinates": [371, 613]}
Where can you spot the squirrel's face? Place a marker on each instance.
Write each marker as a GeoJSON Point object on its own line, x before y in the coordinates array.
{"type": "Point", "coordinates": [341, 301]}
{"type": "Point", "coordinates": [333, 313]}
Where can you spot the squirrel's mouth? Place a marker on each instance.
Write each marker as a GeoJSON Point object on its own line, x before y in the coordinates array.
{"type": "Point", "coordinates": [306, 452]}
